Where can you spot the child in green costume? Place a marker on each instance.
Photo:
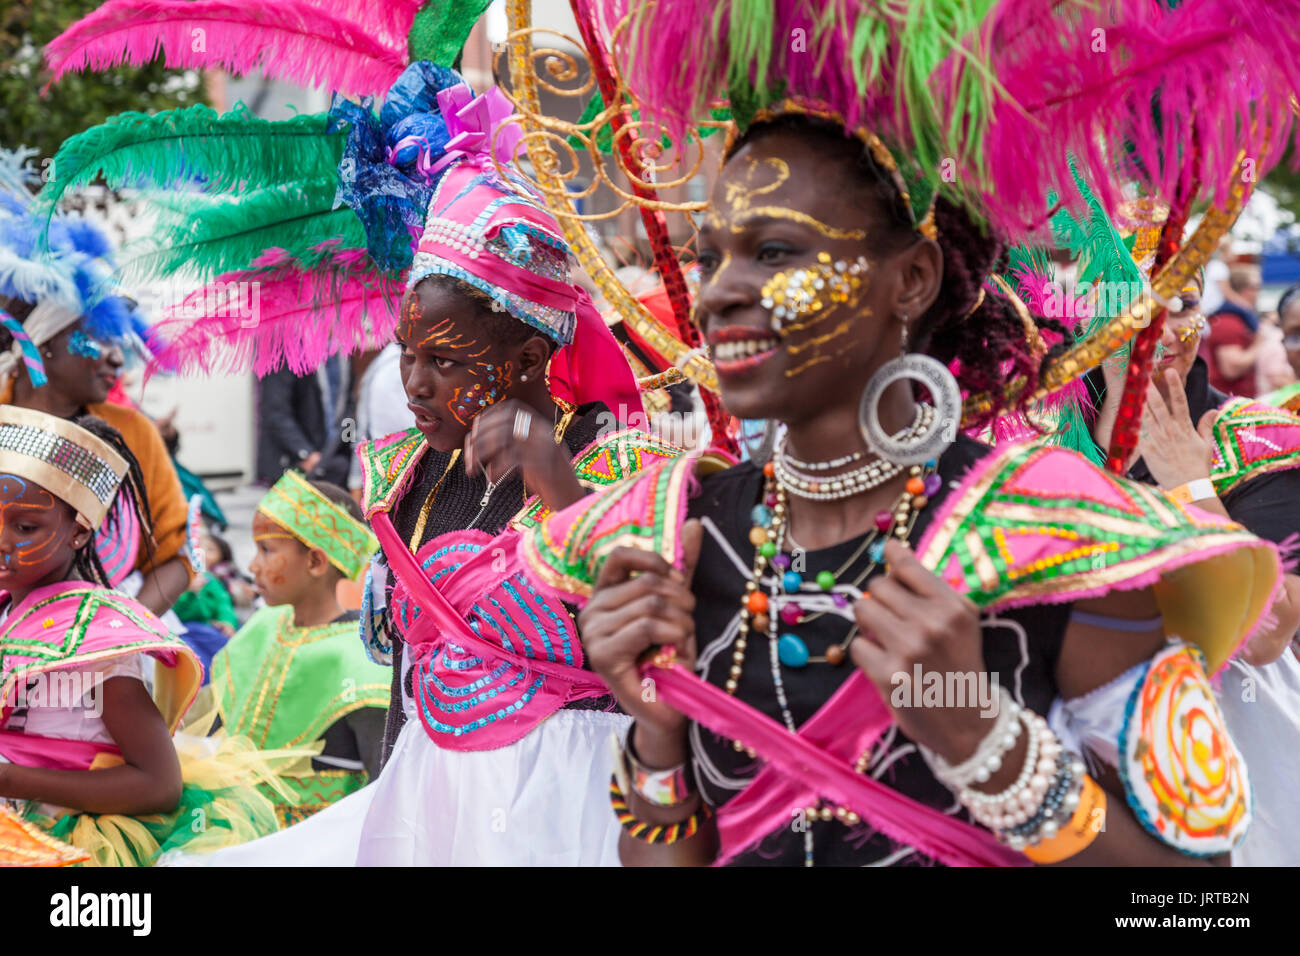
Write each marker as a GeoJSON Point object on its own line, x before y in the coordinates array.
{"type": "Point", "coordinates": [296, 672]}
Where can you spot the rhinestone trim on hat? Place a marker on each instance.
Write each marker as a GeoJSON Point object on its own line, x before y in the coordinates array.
{"type": "Point", "coordinates": [82, 466]}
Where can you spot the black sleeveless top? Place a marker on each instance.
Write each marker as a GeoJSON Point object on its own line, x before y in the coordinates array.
{"type": "Point", "coordinates": [1021, 647]}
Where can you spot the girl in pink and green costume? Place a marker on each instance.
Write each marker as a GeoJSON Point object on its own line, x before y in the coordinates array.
{"type": "Point", "coordinates": [72, 673]}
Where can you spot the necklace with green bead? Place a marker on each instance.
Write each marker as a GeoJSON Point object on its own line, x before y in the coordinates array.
{"type": "Point", "coordinates": [769, 532]}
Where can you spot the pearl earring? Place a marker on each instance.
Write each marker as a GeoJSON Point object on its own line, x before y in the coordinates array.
{"type": "Point", "coordinates": [523, 378]}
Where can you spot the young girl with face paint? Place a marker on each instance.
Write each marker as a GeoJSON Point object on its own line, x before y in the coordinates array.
{"type": "Point", "coordinates": [803, 300]}
{"type": "Point", "coordinates": [75, 697]}
{"type": "Point", "coordinates": [519, 393]}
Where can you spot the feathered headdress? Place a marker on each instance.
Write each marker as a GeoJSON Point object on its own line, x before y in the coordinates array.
{"type": "Point", "coordinates": [988, 100]}
{"type": "Point", "coordinates": [63, 268]}
{"type": "Point", "coordinates": [265, 212]}
{"type": "Point", "coordinates": [305, 229]}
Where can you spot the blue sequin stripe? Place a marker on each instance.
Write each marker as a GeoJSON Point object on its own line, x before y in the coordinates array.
{"type": "Point", "coordinates": [561, 628]}
{"type": "Point", "coordinates": [494, 675]}
{"type": "Point", "coordinates": [542, 236]}
{"type": "Point", "coordinates": [428, 563]}
{"type": "Point", "coordinates": [554, 322]}
{"type": "Point", "coordinates": [532, 617]}
{"type": "Point", "coordinates": [468, 660]}
{"type": "Point", "coordinates": [440, 727]}
{"type": "Point", "coordinates": [469, 704]}
{"type": "Point", "coordinates": [483, 615]}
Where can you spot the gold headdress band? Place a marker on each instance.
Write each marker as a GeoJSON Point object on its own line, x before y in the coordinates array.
{"type": "Point", "coordinates": [64, 459]}
{"type": "Point", "coordinates": [879, 152]}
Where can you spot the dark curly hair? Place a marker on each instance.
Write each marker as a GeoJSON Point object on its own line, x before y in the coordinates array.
{"type": "Point", "coordinates": [978, 343]}
{"type": "Point", "coordinates": [87, 563]}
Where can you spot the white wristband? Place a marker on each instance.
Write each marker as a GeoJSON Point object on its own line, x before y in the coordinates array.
{"type": "Point", "coordinates": [1197, 490]}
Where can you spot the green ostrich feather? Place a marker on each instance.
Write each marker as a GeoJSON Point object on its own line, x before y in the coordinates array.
{"type": "Point", "coordinates": [195, 144]}
{"type": "Point", "coordinates": [208, 235]}
{"type": "Point", "coordinates": [1103, 255]}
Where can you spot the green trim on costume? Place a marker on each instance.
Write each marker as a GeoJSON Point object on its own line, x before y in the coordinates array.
{"type": "Point", "coordinates": [386, 468]}
{"type": "Point", "coordinates": [312, 793]}
{"type": "Point", "coordinates": [283, 686]}
{"type": "Point", "coordinates": [605, 462]}
{"type": "Point", "coordinates": [1243, 452]}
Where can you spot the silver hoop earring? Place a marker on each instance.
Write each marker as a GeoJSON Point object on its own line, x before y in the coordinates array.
{"type": "Point", "coordinates": [917, 447]}
{"type": "Point", "coordinates": [761, 453]}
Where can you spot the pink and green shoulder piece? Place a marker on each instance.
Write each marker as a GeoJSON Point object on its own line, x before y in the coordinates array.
{"type": "Point", "coordinates": [386, 467]}
{"type": "Point", "coordinates": [1028, 525]}
{"type": "Point", "coordinates": [606, 462]}
{"type": "Point", "coordinates": [1035, 525]}
{"type": "Point", "coordinates": [1251, 439]}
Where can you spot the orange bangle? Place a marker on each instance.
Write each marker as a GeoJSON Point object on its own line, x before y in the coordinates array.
{"type": "Point", "coordinates": [1089, 819]}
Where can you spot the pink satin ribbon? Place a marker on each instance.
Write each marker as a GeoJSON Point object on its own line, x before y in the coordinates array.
{"type": "Point", "coordinates": [799, 770]}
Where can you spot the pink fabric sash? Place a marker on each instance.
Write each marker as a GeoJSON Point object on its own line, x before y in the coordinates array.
{"type": "Point", "coordinates": [817, 762]}
{"type": "Point", "coordinates": [52, 753]}
{"type": "Point", "coordinates": [440, 619]}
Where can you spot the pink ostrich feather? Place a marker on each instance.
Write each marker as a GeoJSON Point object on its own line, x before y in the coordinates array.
{"type": "Point", "coordinates": [283, 314]}
{"type": "Point", "coordinates": [390, 20]}
{"type": "Point", "coordinates": [292, 40]}
{"type": "Point", "coordinates": [1224, 72]}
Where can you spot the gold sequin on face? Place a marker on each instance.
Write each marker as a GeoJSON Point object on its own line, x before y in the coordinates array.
{"type": "Point", "coordinates": [803, 293]}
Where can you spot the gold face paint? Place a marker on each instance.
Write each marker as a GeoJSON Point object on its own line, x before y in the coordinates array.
{"type": "Point", "coordinates": [441, 337]}
{"type": "Point", "coordinates": [739, 194]}
{"type": "Point", "coordinates": [794, 215]}
{"type": "Point", "coordinates": [803, 293]}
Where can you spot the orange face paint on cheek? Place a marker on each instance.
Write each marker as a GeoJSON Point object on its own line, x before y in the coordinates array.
{"type": "Point", "coordinates": [490, 386]}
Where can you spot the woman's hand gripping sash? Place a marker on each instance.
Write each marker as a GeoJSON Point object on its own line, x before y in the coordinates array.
{"type": "Point", "coordinates": [1027, 525]}
{"type": "Point", "coordinates": [492, 657]}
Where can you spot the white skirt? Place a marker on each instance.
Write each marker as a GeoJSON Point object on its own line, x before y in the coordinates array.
{"type": "Point", "coordinates": [1262, 708]}
{"type": "Point", "coordinates": [542, 801]}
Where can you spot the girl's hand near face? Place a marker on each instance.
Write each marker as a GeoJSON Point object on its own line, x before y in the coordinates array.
{"type": "Point", "coordinates": [493, 443]}
{"type": "Point", "coordinates": [1175, 450]}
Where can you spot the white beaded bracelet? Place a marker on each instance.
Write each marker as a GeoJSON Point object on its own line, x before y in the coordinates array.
{"type": "Point", "coordinates": [987, 759]}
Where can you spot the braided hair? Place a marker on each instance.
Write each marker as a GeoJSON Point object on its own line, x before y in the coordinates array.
{"type": "Point", "coordinates": [977, 338]}
{"type": "Point", "coordinates": [87, 563]}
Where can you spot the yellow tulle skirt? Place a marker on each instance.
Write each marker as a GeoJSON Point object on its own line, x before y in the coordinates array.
{"type": "Point", "coordinates": [223, 803]}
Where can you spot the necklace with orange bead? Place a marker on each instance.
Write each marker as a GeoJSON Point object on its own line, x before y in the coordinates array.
{"type": "Point", "coordinates": [768, 534]}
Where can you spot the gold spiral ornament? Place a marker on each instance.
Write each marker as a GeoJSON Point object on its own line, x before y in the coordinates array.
{"type": "Point", "coordinates": [549, 173]}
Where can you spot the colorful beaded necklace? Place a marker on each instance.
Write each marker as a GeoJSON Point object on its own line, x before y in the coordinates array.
{"type": "Point", "coordinates": [769, 534]}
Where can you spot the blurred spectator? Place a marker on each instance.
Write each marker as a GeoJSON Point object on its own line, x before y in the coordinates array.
{"type": "Point", "coordinates": [1216, 289]}
{"type": "Point", "coordinates": [301, 422]}
{"type": "Point", "coordinates": [1231, 349]}
{"type": "Point", "coordinates": [381, 405]}
{"type": "Point", "coordinates": [1273, 369]}
{"type": "Point", "coordinates": [1288, 314]}
{"type": "Point", "coordinates": [191, 484]}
